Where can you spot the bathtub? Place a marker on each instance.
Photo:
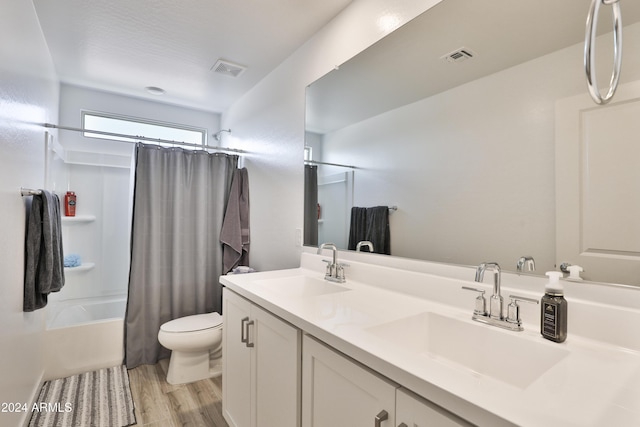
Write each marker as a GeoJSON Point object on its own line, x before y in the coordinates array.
{"type": "Point", "coordinates": [83, 335]}
{"type": "Point", "coordinates": [63, 314]}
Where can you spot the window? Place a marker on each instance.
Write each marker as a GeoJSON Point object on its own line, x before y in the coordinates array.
{"type": "Point", "coordinates": [134, 126]}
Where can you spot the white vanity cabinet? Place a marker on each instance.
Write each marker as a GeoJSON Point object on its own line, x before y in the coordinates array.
{"type": "Point", "coordinates": [261, 366]}
{"type": "Point", "coordinates": [337, 392]}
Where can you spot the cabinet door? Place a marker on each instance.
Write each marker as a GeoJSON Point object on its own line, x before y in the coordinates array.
{"type": "Point", "coordinates": [337, 392]}
{"type": "Point", "coordinates": [236, 361]}
{"type": "Point", "coordinates": [414, 411]}
{"type": "Point", "coordinates": [276, 358]}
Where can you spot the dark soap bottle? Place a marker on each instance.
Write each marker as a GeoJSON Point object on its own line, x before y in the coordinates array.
{"type": "Point", "coordinates": [553, 316]}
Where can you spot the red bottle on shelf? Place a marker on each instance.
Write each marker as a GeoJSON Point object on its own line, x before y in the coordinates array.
{"type": "Point", "coordinates": [70, 204]}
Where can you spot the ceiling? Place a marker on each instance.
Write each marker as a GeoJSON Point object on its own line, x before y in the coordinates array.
{"type": "Point", "coordinates": [407, 65]}
{"type": "Point", "coordinates": [124, 46]}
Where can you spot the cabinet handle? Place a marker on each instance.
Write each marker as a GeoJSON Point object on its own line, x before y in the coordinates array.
{"type": "Point", "coordinates": [382, 416]}
{"type": "Point", "coordinates": [244, 336]}
{"type": "Point", "coordinates": [250, 323]}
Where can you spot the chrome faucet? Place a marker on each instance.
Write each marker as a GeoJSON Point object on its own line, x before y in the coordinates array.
{"type": "Point", "coordinates": [365, 243]}
{"type": "Point", "coordinates": [335, 270]}
{"type": "Point", "coordinates": [526, 263]}
{"type": "Point", "coordinates": [496, 301]}
{"type": "Point", "coordinates": [495, 316]}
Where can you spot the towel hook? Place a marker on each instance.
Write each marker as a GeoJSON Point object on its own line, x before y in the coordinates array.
{"type": "Point", "coordinates": [29, 192]}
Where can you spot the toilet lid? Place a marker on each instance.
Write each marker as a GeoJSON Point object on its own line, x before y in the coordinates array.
{"type": "Point", "coordinates": [197, 322]}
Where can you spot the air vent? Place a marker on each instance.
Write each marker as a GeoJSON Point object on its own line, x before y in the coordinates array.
{"type": "Point", "coordinates": [458, 55]}
{"type": "Point", "coordinates": [228, 68]}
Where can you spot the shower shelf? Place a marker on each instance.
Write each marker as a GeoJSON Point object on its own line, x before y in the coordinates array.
{"type": "Point", "coordinates": [78, 219]}
{"type": "Point", "coordinates": [86, 266]}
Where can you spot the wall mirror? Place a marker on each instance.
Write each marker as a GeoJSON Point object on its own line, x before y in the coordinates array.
{"type": "Point", "coordinates": [452, 119]}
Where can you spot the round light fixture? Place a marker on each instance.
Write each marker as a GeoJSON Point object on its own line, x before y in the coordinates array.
{"type": "Point", "coordinates": [153, 90]}
{"type": "Point", "coordinates": [388, 22]}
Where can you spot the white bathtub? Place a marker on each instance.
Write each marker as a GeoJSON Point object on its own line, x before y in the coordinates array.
{"type": "Point", "coordinates": [83, 335]}
{"type": "Point", "coordinates": [67, 313]}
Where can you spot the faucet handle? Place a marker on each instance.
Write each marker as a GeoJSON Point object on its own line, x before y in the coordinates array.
{"type": "Point", "coordinates": [330, 268]}
{"type": "Point", "coordinates": [481, 302]}
{"type": "Point", "coordinates": [513, 310]}
{"type": "Point", "coordinates": [340, 271]}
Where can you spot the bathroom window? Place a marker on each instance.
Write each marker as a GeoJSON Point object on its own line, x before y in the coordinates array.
{"type": "Point", "coordinates": [133, 126]}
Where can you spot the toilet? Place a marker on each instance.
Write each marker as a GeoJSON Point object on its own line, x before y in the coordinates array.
{"type": "Point", "coordinates": [196, 347]}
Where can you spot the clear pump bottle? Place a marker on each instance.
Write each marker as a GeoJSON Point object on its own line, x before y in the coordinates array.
{"type": "Point", "coordinates": [553, 315]}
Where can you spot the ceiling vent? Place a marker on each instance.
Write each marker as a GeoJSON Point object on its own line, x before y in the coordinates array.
{"type": "Point", "coordinates": [228, 68]}
{"type": "Point", "coordinates": [458, 55]}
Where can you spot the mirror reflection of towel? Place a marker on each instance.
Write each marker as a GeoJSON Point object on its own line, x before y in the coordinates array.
{"type": "Point", "coordinates": [371, 224]}
{"type": "Point", "coordinates": [235, 235]}
{"type": "Point", "coordinates": [44, 271]}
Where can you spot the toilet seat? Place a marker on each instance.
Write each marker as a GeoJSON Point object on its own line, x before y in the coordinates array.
{"type": "Point", "coordinates": [196, 322]}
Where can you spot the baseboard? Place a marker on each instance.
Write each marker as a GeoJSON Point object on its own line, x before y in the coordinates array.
{"type": "Point", "coordinates": [34, 395]}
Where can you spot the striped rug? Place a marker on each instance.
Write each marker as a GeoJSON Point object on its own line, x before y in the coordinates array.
{"type": "Point", "coordinates": [100, 398]}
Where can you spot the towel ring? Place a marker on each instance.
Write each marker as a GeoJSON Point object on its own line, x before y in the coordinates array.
{"type": "Point", "coordinates": [589, 50]}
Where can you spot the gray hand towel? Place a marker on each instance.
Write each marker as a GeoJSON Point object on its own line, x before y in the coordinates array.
{"type": "Point", "coordinates": [371, 224]}
{"type": "Point", "coordinates": [358, 228]}
{"type": "Point", "coordinates": [235, 226]}
{"type": "Point", "coordinates": [44, 270]}
{"type": "Point", "coordinates": [378, 231]}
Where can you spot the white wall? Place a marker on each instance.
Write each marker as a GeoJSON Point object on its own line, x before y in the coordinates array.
{"type": "Point", "coordinates": [28, 95]}
{"type": "Point", "coordinates": [476, 164]}
{"type": "Point", "coordinates": [268, 122]}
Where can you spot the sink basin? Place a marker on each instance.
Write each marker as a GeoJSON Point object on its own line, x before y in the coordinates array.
{"type": "Point", "coordinates": [481, 349]}
{"type": "Point", "coordinates": [300, 286]}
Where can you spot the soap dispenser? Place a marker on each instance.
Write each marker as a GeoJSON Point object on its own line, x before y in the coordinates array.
{"type": "Point", "coordinates": [553, 316]}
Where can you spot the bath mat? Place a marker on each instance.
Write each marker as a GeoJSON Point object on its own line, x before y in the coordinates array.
{"type": "Point", "coordinates": [100, 398]}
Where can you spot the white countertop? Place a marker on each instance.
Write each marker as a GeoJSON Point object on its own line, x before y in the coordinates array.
{"type": "Point", "coordinates": [595, 384]}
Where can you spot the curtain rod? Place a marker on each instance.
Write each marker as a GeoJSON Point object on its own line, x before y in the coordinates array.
{"type": "Point", "coordinates": [314, 162]}
{"type": "Point", "coordinates": [143, 138]}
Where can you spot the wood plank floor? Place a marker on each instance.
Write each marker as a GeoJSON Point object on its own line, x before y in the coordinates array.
{"type": "Point", "coordinates": [160, 404]}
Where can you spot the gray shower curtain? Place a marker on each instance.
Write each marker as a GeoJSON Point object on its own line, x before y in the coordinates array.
{"type": "Point", "coordinates": [176, 256]}
{"type": "Point", "coordinates": [310, 205]}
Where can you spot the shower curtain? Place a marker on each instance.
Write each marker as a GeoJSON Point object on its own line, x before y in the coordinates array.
{"type": "Point", "coordinates": [311, 205]}
{"type": "Point", "coordinates": [176, 257]}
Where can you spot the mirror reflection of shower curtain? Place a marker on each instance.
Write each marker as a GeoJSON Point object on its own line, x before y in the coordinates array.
{"type": "Point", "coordinates": [176, 256]}
{"type": "Point", "coordinates": [311, 205]}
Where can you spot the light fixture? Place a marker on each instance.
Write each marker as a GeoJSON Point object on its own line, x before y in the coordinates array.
{"type": "Point", "coordinates": [388, 22]}
{"type": "Point", "coordinates": [153, 90]}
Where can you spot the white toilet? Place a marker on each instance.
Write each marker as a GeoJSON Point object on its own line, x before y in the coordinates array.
{"type": "Point", "coordinates": [196, 347]}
